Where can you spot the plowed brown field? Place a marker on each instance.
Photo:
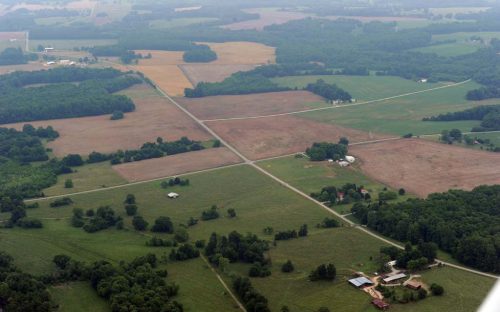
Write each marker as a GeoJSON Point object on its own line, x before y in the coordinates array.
{"type": "Point", "coordinates": [275, 136]}
{"type": "Point", "coordinates": [422, 167]}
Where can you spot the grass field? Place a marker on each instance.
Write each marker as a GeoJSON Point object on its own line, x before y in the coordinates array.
{"type": "Point", "coordinates": [85, 178]}
{"type": "Point", "coordinates": [450, 49]}
{"type": "Point", "coordinates": [310, 176]}
{"type": "Point", "coordinates": [464, 36]}
{"type": "Point", "coordinates": [180, 22]}
{"type": "Point", "coordinates": [78, 297]}
{"type": "Point", "coordinates": [404, 115]}
{"type": "Point", "coordinates": [362, 88]}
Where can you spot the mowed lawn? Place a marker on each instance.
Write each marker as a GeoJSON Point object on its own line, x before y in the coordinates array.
{"type": "Point", "coordinates": [404, 115]}
{"type": "Point", "coordinates": [362, 88]}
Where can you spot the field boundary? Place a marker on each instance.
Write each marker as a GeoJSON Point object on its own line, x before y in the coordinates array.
{"type": "Point", "coordinates": [341, 106]}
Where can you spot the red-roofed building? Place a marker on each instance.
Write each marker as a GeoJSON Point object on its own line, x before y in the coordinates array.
{"type": "Point", "coordinates": [380, 304]}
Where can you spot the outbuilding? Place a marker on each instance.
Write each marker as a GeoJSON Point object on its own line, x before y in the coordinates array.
{"type": "Point", "coordinates": [393, 278]}
{"type": "Point", "coordinates": [360, 282]}
{"type": "Point", "coordinates": [412, 284]}
{"type": "Point", "coordinates": [172, 195]}
{"type": "Point", "coordinates": [380, 304]}
{"type": "Point", "coordinates": [350, 159]}
{"type": "Point", "coordinates": [343, 163]}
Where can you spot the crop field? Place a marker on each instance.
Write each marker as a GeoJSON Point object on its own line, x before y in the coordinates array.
{"type": "Point", "coordinates": [155, 116]}
{"type": "Point", "coordinates": [275, 136]}
{"type": "Point", "coordinates": [198, 72]}
{"type": "Point", "coordinates": [384, 19]}
{"type": "Point", "coordinates": [229, 106]}
{"type": "Point", "coordinates": [7, 69]}
{"type": "Point", "coordinates": [180, 22]}
{"type": "Point", "coordinates": [423, 167]}
{"type": "Point", "coordinates": [70, 44]}
{"type": "Point", "coordinates": [362, 88]}
{"type": "Point", "coordinates": [457, 10]}
{"type": "Point", "coordinates": [403, 115]}
{"type": "Point", "coordinates": [176, 164]}
{"type": "Point", "coordinates": [450, 49]}
{"type": "Point", "coordinates": [12, 40]}
{"type": "Point", "coordinates": [242, 53]}
{"type": "Point", "coordinates": [267, 16]}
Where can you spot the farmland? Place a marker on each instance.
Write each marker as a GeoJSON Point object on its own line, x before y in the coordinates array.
{"type": "Point", "coordinates": [176, 164]}
{"type": "Point", "coordinates": [197, 73]}
{"type": "Point", "coordinates": [179, 22]}
{"type": "Point", "coordinates": [228, 106]}
{"type": "Point", "coordinates": [70, 44]}
{"type": "Point", "coordinates": [403, 115]}
{"type": "Point", "coordinates": [267, 16]}
{"type": "Point", "coordinates": [275, 136]}
{"type": "Point", "coordinates": [242, 53]}
{"type": "Point", "coordinates": [154, 115]}
{"type": "Point", "coordinates": [423, 167]}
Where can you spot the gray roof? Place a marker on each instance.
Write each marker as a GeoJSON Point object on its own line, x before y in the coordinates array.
{"type": "Point", "coordinates": [360, 281]}
{"type": "Point", "coordinates": [394, 277]}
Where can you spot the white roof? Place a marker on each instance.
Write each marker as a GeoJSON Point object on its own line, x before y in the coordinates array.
{"type": "Point", "coordinates": [394, 277]}
{"type": "Point", "coordinates": [172, 194]}
{"type": "Point", "coordinates": [360, 281]}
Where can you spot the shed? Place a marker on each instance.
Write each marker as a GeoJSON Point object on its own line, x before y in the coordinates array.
{"type": "Point", "coordinates": [343, 163]}
{"type": "Point", "coordinates": [380, 304]}
{"type": "Point", "coordinates": [360, 281]}
{"type": "Point", "coordinates": [49, 49]}
{"type": "Point", "coordinates": [172, 195]}
{"type": "Point", "coordinates": [393, 278]}
{"type": "Point", "coordinates": [415, 285]}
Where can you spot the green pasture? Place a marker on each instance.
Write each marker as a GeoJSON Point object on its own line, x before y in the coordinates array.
{"type": "Point", "coordinates": [450, 49]}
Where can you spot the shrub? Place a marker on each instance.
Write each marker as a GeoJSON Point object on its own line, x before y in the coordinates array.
{"type": "Point", "coordinates": [131, 209]}
{"type": "Point", "coordinates": [287, 267]}
{"type": "Point", "coordinates": [324, 272]}
{"type": "Point", "coordinates": [117, 115]}
{"type": "Point", "coordinates": [163, 225]}
{"type": "Point", "coordinates": [210, 214]}
{"type": "Point", "coordinates": [65, 201]}
{"type": "Point", "coordinates": [139, 223]}
{"type": "Point", "coordinates": [437, 290]}
{"type": "Point", "coordinates": [68, 183]}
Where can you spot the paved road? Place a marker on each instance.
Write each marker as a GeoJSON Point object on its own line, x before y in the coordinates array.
{"type": "Point", "coordinates": [341, 106]}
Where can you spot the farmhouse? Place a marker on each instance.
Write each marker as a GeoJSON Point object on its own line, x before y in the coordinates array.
{"type": "Point", "coordinates": [412, 284]}
{"type": "Point", "coordinates": [360, 282]}
{"type": "Point", "coordinates": [380, 304]}
{"type": "Point", "coordinates": [393, 278]}
{"type": "Point", "coordinates": [172, 195]}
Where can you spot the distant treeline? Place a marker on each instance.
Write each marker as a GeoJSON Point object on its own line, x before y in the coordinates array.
{"type": "Point", "coordinates": [489, 116]}
{"type": "Point", "coordinates": [91, 96]}
{"type": "Point", "coordinates": [199, 53]}
{"type": "Point", "coordinates": [463, 223]}
{"type": "Point", "coordinates": [329, 91]}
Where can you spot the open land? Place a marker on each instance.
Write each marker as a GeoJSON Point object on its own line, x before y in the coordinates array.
{"type": "Point", "coordinates": [228, 106]}
{"type": "Point", "coordinates": [403, 115]}
{"type": "Point", "coordinates": [275, 136]}
{"type": "Point", "coordinates": [154, 117]}
{"type": "Point", "coordinates": [176, 164]}
{"type": "Point", "coordinates": [242, 53]}
{"type": "Point", "coordinates": [423, 167]}
{"type": "Point", "coordinates": [197, 72]}
{"type": "Point", "coordinates": [267, 16]}
{"type": "Point", "coordinates": [22, 67]}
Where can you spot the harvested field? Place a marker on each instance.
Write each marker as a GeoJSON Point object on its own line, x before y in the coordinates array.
{"type": "Point", "coordinates": [154, 117]}
{"type": "Point", "coordinates": [242, 53]}
{"type": "Point", "coordinates": [368, 19]}
{"type": "Point", "coordinates": [228, 106]}
{"type": "Point", "coordinates": [177, 164]}
{"type": "Point", "coordinates": [274, 136]}
{"type": "Point", "coordinates": [422, 167]}
{"type": "Point", "coordinates": [163, 69]}
{"type": "Point", "coordinates": [268, 16]}
{"type": "Point", "coordinates": [197, 73]}
{"type": "Point", "coordinates": [22, 67]}
{"type": "Point", "coordinates": [7, 35]}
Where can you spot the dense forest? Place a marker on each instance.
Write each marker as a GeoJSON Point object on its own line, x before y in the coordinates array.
{"type": "Point", "coordinates": [488, 114]}
{"type": "Point", "coordinates": [61, 98]}
{"type": "Point", "coordinates": [13, 56]}
{"type": "Point", "coordinates": [329, 91]}
{"type": "Point", "coordinates": [463, 223]}
{"type": "Point", "coordinates": [199, 53]}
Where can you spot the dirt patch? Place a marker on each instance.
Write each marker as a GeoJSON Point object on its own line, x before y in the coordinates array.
{"type": "Point", "coordinates": [228, 106]}
{"type": "Point", "coordinates": [266, 17]}
{"type": "Point", "coordinates": [197, 73]}
{"type": "Point", "coordinates": [274, 136]}
{"type": "Point", "coordinates": [177, 164]}
{"type": "Point", "coordinates": [154, 117]}
{"type": "Point", "coordinates": [242, 53]}
{"type": "Point", "coordinates": [422, 167]}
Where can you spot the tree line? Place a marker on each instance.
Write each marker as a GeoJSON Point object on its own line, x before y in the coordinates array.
{"type": "Point", "coordinates": [488, 114]}
{"type": "Point", "coordinates": [462, 223]}
{"type": "Point", "coordinates": [15, 56]}
{"type": "Point", "coordinates": [320, 151]}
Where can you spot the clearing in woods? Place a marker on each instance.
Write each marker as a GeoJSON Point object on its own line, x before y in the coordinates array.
{"type": "Point", "coordinates": [423, 167]}
{"type": "Point", "coordinates": [242, 53]}
{"type": "Point", "coordinates": [176, 164]}
{"type": "Point", "coordinates": [229, 106]}
{"type": "Point", "coordinates": [267, 16]}
{"type": "Point", "coordinates": [155, 116]}
{"type": "Point", "coordinates": [274, 136]}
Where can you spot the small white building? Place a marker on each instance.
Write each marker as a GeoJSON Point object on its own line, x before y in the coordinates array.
{"type": "Point", "coordinates": [343, 163]}
{"type": "Point", "coordinates": [65, 62]}
{"type": "Point", "coordinates": [50, 63]}
{"type": "Point", "coordinates": [423, 80]}
{"type": "Point", "coordinates": [172, 195]}
{"type": "Point", "coordinates": [330, 161]}
{"type": "Point", "coordinates": [350, 159]}
{"type": "Point", "coordinates": [49, 49]}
